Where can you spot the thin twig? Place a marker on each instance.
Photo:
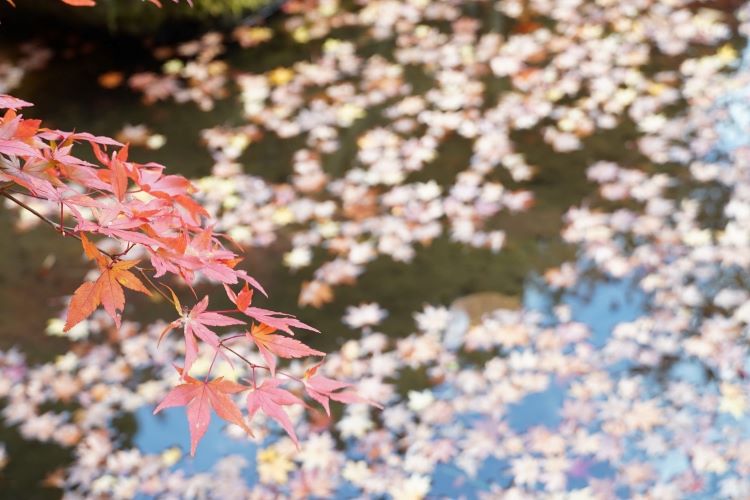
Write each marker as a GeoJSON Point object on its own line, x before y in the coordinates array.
{"type": "Point", "coordinates": [243, 358]}
{"type": "Point", "coordinates": [233, 337]}
{"type": "Point", "coordinates": [254, 365]}
{"type": "Point", "coordinates": [153, 285]}
{"type": "Point", "coordinates": [62, 229]}
{"type": "Point", "coordinates": [208, 374]}
{"type": "Point", "coordinates": [55, 225]}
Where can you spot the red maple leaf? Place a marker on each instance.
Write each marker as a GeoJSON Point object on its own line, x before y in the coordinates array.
{"type": "Point", "coordinates": [195, 323]}
{"type": "Point", "coordinates": [200, 397]}
{"type": "Point", "coordinates": [269, 399]}
{"type": "Point", "coordinates": [323, 389]}
{"type": "Point", "coordinates": [274, 319]}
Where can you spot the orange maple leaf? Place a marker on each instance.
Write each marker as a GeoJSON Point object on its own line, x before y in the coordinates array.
{"type": "Point", "coordinates": [285, 347]}
{"type": "Point", "coordinates": [106, 290]}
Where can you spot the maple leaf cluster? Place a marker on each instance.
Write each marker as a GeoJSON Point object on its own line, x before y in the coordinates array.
{"type": "Point", "coordinates": [151, 213]}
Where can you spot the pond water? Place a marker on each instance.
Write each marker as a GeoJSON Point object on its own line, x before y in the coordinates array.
{"type": "Point", "coordinates": [518, 279]}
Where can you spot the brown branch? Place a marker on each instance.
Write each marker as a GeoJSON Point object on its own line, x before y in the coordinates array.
{"type": "Point", "coordinates": [57, 227]}
{"type": "Point", "coordinates": [64, 231]}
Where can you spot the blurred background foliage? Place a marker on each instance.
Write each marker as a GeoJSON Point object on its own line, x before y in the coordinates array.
{"type": "Point", "coordinates": [139, 17]}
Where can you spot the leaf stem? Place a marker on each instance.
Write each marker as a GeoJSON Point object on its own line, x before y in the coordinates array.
{"type": "Point", "coordinates": [210, 367]}
{"type": "Point", "coordinates": [153, 285]}
{"type": "Point", "coordinates": [254, 365]}
{"type": "Point", "coordinates": [233, 337]}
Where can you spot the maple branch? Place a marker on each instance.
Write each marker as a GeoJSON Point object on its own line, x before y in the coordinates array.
{"type": "Point", "coordinates": [124, 252]}
{"type": "Point", "coordinates": [72, 232]}
{"type": "Point", "coordinates": [55, 225]}
{"type": "Point", "coordinates": [243, 358]}
{"type": "Point", "coordinates": [64, 231]}
{"type": "Point", "coordinates": [14, 189]}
